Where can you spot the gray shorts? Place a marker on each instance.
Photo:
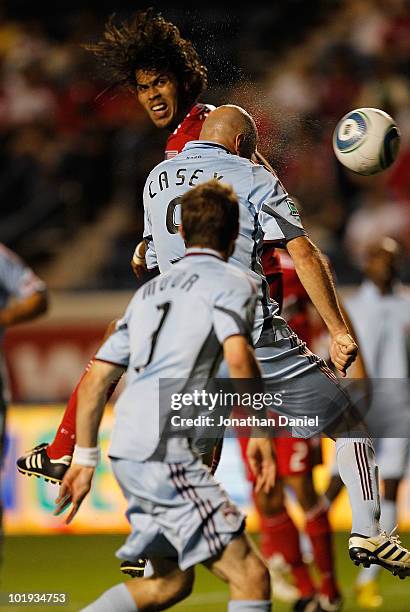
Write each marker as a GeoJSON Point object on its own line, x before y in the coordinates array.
{"type": "Point", "coordinates": [176, 510]}
{"type": "Point", "coordinates": [310, 392]}
{"type": "Point", "coordinates": [308, 388]}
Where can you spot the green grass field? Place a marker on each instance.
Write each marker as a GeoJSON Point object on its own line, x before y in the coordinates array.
{"type": "Point", "coordinates": [84, 566]}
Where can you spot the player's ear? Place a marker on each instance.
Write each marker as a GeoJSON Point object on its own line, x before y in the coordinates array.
{"type": "Point", "coordinates": [243, 146]}
{"type": "Point", "coordinates": [181, 231]}
{"type": "Point", "coordinates": [239, 144]}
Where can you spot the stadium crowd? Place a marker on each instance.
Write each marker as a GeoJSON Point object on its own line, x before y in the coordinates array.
{"type": "Point", "coordinates": [71, 148]}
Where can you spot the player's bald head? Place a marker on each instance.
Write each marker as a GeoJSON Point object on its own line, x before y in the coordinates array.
{"type": "Point", "coordinates": [232, 127]}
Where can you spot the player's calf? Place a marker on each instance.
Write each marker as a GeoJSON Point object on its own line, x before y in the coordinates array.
{"type": "Point", "coordinates": [168, 586]}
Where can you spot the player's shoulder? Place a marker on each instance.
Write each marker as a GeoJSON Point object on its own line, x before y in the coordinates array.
{"type": "Point", "coordinates": [201, 110]}
{"type": "Point", "coordinates": [8, 256]}
{"type": "Point", "coordinates": [161, 167]}
{"type": "Point", "coordinates": [401, 294]}
{"type": "Point", "coordinates": [12, 266]}
{"type": "Point", "coordinates": [218, 274]}
{"type": "Point", "coordinates": [262, 175]}
{"type": "Point", "coordinates": [232, 278]}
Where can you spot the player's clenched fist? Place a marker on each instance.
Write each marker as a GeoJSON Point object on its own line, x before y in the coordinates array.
{"type": "Point", "coordinates": [343, 351]}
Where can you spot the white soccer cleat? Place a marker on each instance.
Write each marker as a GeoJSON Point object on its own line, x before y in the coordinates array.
{"type": "Point", "coordinates": [329, 605]}
{"type": "Point", "coordinates": [384, 549]}
{"type": "Point", "coordinates": [282, 589]}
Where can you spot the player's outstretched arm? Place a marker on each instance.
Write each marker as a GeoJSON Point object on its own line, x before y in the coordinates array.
{"type": "Point", "coordinates": [27, 309]}
{"type": "Point", "coordinates": [92, 396]}
{"type": "Point", "coordinates": [316, 278]}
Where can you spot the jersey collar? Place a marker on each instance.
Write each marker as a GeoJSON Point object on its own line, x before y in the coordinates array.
{"type": "Point", "coordinates": [202, 144]}
{"type": "Point", "coordinates": [202, 251]}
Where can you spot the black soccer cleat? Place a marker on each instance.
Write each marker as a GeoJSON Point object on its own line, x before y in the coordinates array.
{"type": "Point", "coordinates": [135, 568]}
{"type": "Point", "coordinates": [36, 462]}
{"type": "Point", "coordinates": [325, 604]}
{"type": "Point", "coordinates": [306, 604]}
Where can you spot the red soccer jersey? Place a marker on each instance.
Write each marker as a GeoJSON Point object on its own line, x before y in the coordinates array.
{"type": "Point", "coordinates": [273, 272]}
{"type": "Point", "coordinates": [189, 129]}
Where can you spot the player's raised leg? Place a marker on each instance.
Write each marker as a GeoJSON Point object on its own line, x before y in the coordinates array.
{"type": "Point", "coordinates": [368, 544]}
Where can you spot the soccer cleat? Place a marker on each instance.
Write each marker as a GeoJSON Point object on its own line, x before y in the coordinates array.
{"type": "Point", "coordinates": [306, 604]}
{"type": "Point", "coordinates": [368, 596]}
{"type": "Point", "coordinates": [36, 462]}
{"type": "Point", "coordinates": [135, 569]}
{"type": "Point", "coordinates": [384, 550]}
{"type": "Point", "coordinates": [282, 589]}
{"type": "Point", "coordinates": [329, 605]}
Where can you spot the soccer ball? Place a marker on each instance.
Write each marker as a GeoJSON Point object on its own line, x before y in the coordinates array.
{"type": "Point", "coordinates": [366, 140]}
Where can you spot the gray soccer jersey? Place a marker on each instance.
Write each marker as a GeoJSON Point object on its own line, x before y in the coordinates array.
{"type": "Point", "coordinates": [16, 279]}
{"type": "Point", "coordinates": [266, 211]}
{"type": "Point", "coordinates": [174, 328]}
{"type": "Point", "coordinates": [381, 322]}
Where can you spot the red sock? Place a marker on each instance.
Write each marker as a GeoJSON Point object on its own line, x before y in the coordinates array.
{"type": "Point", "coordinates": [320, 534]}
{"type": "Point", "coordinates": [64, 441]}
{"type": "Point", "coordinates": [279, 535]}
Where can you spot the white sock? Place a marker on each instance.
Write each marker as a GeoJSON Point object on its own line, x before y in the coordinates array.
{"type": "Point", "coordinates": [239, 605]}
{"type": "Point", "coordinates": [358, 470]}
{"type": "Point", "coordinates": [117, 598]}
{"type": "Point", "coordinates": [388, 522]}
{"type": "Point", "coordinates": [148, 570]}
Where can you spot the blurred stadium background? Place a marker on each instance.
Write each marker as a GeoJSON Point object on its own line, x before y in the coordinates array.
{"type": "Point", "coordinates": [71, 174]}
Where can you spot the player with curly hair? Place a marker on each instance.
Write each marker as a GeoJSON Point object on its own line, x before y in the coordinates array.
{"type": "Point", "coordinates": [148, 56]}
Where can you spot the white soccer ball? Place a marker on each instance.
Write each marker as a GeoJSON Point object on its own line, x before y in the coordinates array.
{"type": "Point", "coordinates": [366, 140]}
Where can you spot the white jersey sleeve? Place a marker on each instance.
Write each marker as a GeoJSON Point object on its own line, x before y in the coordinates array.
{"type": "Point", "coordinates": [16, 278]}
{"type": "Point", "coordinates": [116, 348]}
{"type": "Point", "coordinates": [278, 214]}
{"type": "Point", "coordinates": [234, 310]}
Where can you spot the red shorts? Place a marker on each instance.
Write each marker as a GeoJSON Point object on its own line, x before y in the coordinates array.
{"type": "Point", "coordinates": [293, 456]}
